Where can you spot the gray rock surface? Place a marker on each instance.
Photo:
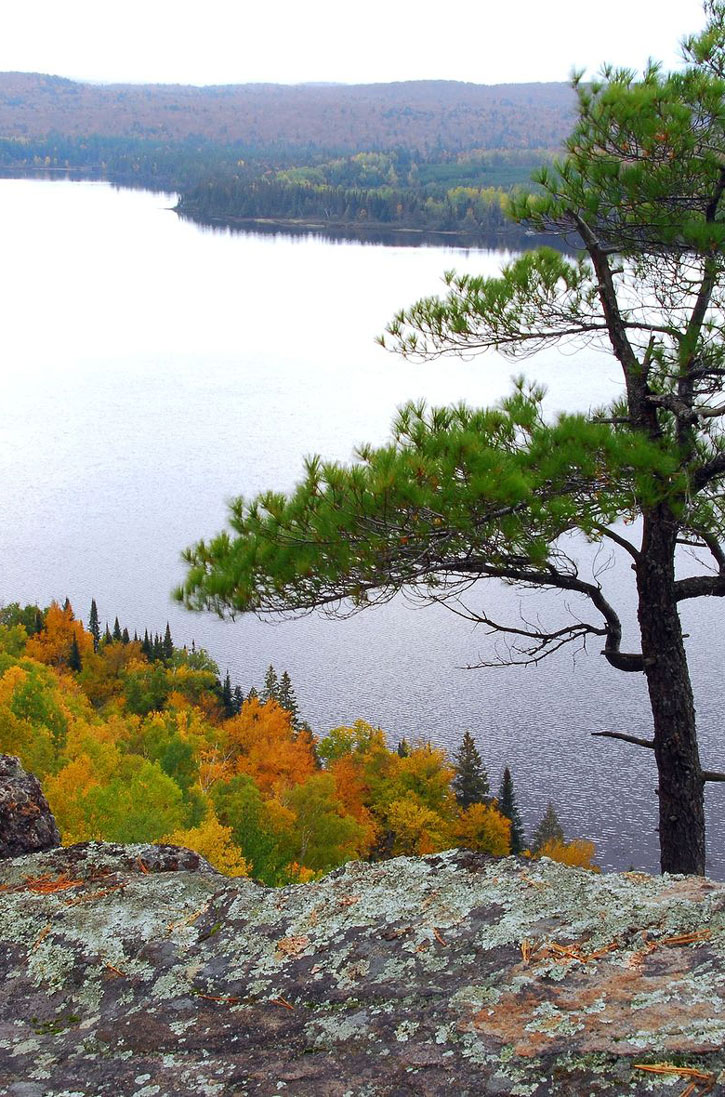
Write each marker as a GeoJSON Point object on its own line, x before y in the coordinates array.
{"type": "Point", "coordinates": [139, 971]}
{"type": "Point", "coordinates": [26, 821]}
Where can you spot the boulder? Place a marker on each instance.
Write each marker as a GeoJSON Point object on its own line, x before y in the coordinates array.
{"type": "Point", "coordinates": [140, 971]}
{"type": "Point", "coordinates": [26, 821]}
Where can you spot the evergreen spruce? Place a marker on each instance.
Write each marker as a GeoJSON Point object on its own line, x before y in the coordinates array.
{"type": "Point", "coordinates": [107, 638]}
{"type": "Point", "coordinates": [252, 694]}
{"type": "Point", "coordinates": [74, 658]}
{"type": "Point", "coordinates": [168, 644]}
{"type": "Point", "coordinates": [548, 830]}
{"type": "Point", "coordinates": [470, 783]}
{"type": "Point", "coordinates": [227, 698]}
{"type": "Point", "coordinates": [287, 699]}
{"type": "Point", "coordinates": [508, 807]}
{"type": "Point", "coordinates": [403, 748]}
{"type": "Point", "coordinates": [270, 691]}
{"type": "Point", "coordinates": [116, 632]}
{"type": "Point", "coordinates": [237, 700]}
{"type": "Point", "coordinates": [93, 625]}
{"type": "Point", "coordinates": [68, 608]}
{"type": "Point", "coordinates": [125, 638]}
{"type": "Point", "coordinates": [146, 647]}
{"type": "Point", "coordinates": [39, 623]}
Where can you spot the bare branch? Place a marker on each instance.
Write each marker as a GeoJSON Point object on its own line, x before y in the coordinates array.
{"type": "Point", "coordinates": [618, 540]}
{"type": "Point", "coordinates": [649, 743]}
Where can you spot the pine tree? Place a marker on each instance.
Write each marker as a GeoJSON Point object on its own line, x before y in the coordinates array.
{"type": "Point", "coordinates": [226, 696]}
{"type": "Point", "coordinates": [548, 830]}
{"type": "Point", "coordinates": [287, 699]}
{"type": "Point", "coordinates": [640, 183]}
{"type": "Point", "coordinates": [116, 632]}
{"type": "Point", "coordinates": [470, 783]}
{"type": "Point", "coordinates": [252, 694]}
{"type": "Point", "coordinates": [107, 638]}
{"type": "Point", "coordinates": [146, 646]}
{"type": "Point", "coordinates": [270, 691]}
{"type": "Point", "coordinates": [168, 644]}
{"type": "Point", "coordinates": [125, 638]}
{"type": "Point", "coordinates": [68, 608]}
{"type": "Point", "coordinates": [93, 625]}
{"type": "Point", "coordinates": [74, 657]}
{"type": "Point", "coordinates": [237, 700]}
{"type": "Point", "coordinates": [507, 806]}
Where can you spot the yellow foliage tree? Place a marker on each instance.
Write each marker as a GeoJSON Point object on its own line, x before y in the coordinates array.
{"type": "Point", "coordinates": [213, 841]}
{"type": "Point", "coordinates": [579, 853]}
{"type": "Point", "coordinates": [483, 828]}
{"type": "Point", "coordinates": [53, 644]}
{"type": "Point", "coordinates": [261, 743]}
{"type": "Point", "coordinates": [416, 829]}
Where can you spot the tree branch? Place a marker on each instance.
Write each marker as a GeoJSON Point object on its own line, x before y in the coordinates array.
{"type": "Point", "coordinates": [700, 586]}
{"type": "Point", "coordinates": [649, 743]}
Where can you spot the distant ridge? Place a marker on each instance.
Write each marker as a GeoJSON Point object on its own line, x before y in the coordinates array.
{"type": "Point", "coordinates": [424, 114]}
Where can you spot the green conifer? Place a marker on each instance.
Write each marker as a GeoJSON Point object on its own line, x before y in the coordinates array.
{"type": "Point", "coordinates": [74, 658]}
{"type": "Point", "coordinates": [287, 699]}
{"type": "Point", "coordinates": [507, 806]}
{"type": "Point", "coordinates": [548, 830]}
{"type": "Point", "coordinates": [116, 632]}
{"type": "Point", "coordinates": [470, 783]}
{"type": "Point", "coordinates": [93, 625]}
{"type": "Point", "coordinates": [270, 692]}
{"type": "Point", "coordinates": [168, 644]}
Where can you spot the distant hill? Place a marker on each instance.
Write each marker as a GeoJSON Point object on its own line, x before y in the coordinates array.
{"type": "Point", "coordinates": [429, 116]}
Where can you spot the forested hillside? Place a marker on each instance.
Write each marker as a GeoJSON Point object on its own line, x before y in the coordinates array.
{"type": "Point", "coordinates": [135, 740]}
{"type": "Point", "coordinates": [424, 115]}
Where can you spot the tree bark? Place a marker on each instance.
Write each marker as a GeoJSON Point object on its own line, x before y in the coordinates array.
{"type": "Point", "coordinates": [681, 785]}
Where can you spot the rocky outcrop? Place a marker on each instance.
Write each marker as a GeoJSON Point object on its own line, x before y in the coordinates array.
{"type": "Point", "coordinates": [26, 821]}
{"type": "Point", "coordinates": [139, 971]}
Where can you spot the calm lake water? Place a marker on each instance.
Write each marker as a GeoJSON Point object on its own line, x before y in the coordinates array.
{"type": "Point", "coordinates": [152, 370]}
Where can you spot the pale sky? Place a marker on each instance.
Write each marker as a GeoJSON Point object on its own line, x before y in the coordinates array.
{"type": "Point", "coordinates": [292, 41]}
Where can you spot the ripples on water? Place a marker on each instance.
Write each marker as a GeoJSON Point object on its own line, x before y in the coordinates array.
{"type": "Point", "coordinates": [153, 371]}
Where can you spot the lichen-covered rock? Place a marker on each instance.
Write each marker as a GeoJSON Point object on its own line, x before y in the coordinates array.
{"type": "Point", "coordinates": [26, 821]}
{"type": "Point", "coordinates": [456, 973]}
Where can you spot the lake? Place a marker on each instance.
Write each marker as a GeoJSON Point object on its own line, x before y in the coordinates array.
{"type": "Point", "coordinates": [152, 370]}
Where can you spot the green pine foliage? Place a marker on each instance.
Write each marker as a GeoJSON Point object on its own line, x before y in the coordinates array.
{"type": "Point", "coordinates": [548, 829]}
{"type": "Point", "coordinates": [470, 783]}
{"type": "Point", "coordinates": [508, 806]}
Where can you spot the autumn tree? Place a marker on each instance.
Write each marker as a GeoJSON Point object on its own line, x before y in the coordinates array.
{"type": "Point", "coordinates": [54, 643]}
{"type": "Point", "coordinates": [461, 496]}
{"type": "Point", "coordinates": [470, 783]}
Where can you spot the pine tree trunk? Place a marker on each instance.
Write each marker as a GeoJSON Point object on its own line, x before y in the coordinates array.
{"type": "Point", "coordinates": [681, 788]}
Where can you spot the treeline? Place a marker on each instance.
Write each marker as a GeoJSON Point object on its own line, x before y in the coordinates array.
{"type": "Point", "coordinates": [459, 209]}
{"type": "Point", "coordinates": [135, 745]}
{"type": "Point", "coordinates": [138, 162]}
{"type": "Point", "coordinates": [395, 190]}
